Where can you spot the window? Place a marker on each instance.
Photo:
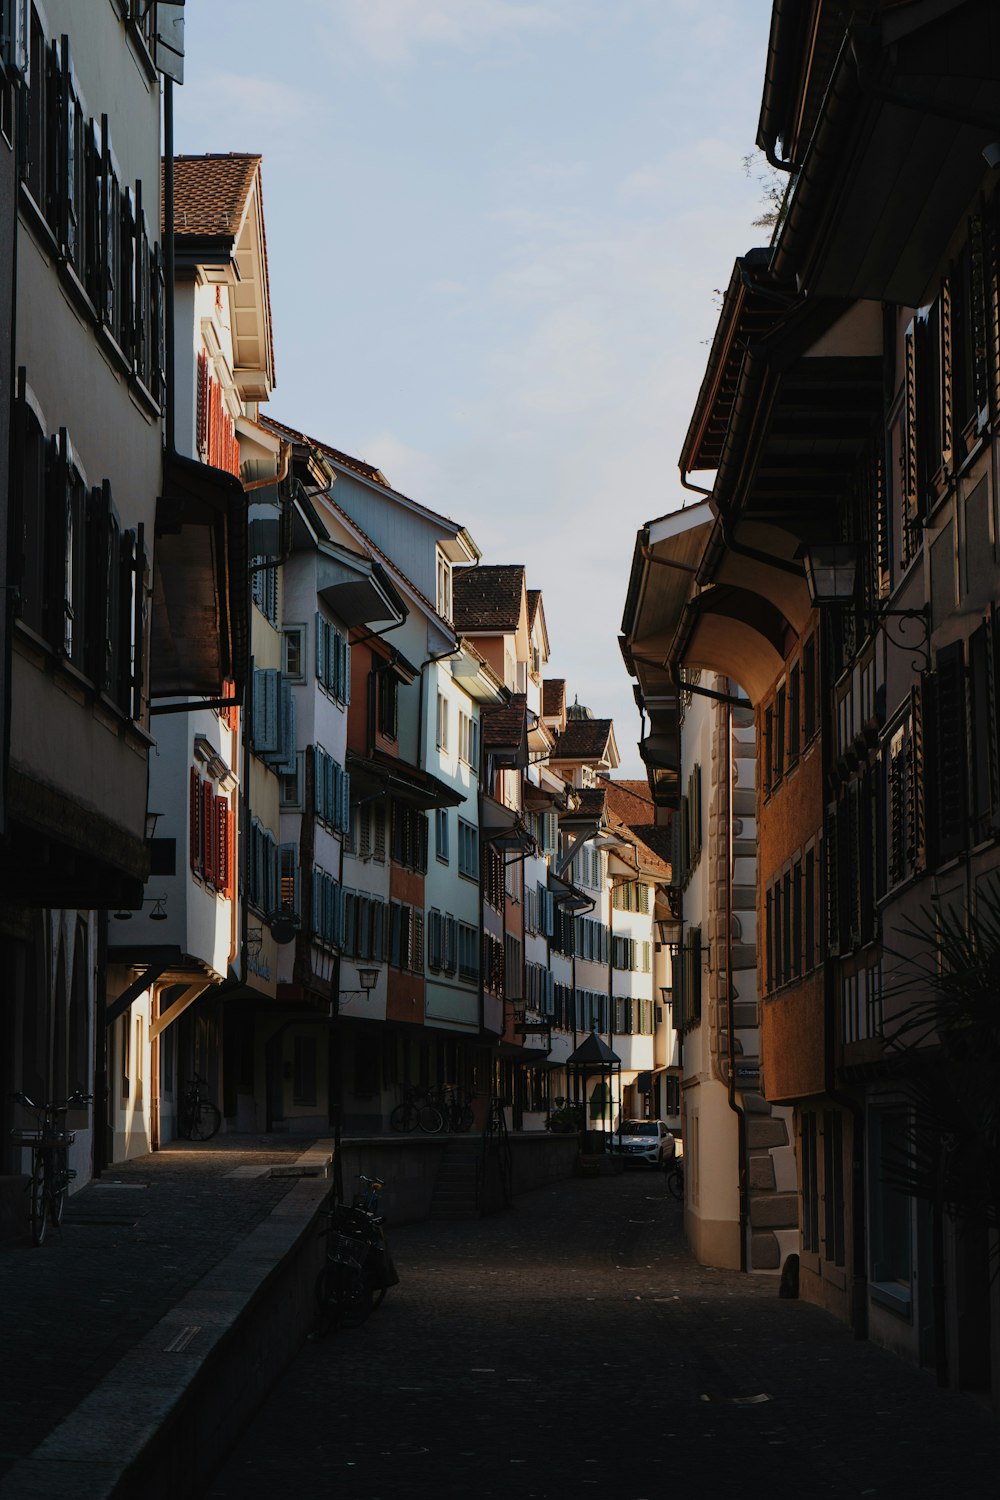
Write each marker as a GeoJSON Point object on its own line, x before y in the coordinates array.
{"type": "Point", "coordinates": [441, 845]}
{"type": "Point", "coordinates": [333, 660]}
{"type": "Point", "coordinates": [468, 951]}
{"type": "Point", "coordinates": [512, 965]}
{"type": "Point", "coordinates": [273, 719]}
{"type": "Point", "coordinates": [386, 702]}
{"type": "Point", "coordinates": [468, 850]}
{"type": "Point", "coordinates": [331, 791]}
{"type": "Point", "coordinates": [264, 588]}
{"type": "Point", "coordinates": [468, 741]}
{"type": "Point", "coordinates": [443, 586]}
{"type": "Point", "coordinates": [794, 713]}
{"type": "Point", "coordinates": [210, 844]}
{"type": "Point", "coordinates": [327, 913]}
{"type": "Point", "coordinates": [442, 722]}
{"type": "Point", "coordinates": [409, 837]}
{"type": "Point", "coordinates": [293, 652]}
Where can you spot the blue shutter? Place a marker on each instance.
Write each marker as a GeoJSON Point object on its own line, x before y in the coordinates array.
{"type": "Point", "coordinates": [320, 649]}
{"type": "Point", "coordinates": [330, 790]}
{"type": "Point", "coordinates": [319, 780]}
{"type": "Point", "coordinates": [345, 802]}
{"type": "Point", "coordinates": [347, 672]}
{"type": "Point", "coordinates": [317, 901]}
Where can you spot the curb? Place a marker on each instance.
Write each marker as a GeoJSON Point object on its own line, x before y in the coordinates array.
{"type": "Point", "coordinates": [163, 1419]}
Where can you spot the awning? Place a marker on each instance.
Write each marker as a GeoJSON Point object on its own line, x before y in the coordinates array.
{"type": "Point", "coordinates": [502, 827]}
{"type": "Point", "coordinates": [379, 772]}
{"type": "Point", "coordinates": [567, 895]}
{"type": "Point", "coordinates": [357, 590]}
{"type": "Point", "coordinates": [199, 627]}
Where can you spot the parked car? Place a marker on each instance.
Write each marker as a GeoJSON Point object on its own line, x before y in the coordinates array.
{"type": "Point", "coordinates": [645, 1140]}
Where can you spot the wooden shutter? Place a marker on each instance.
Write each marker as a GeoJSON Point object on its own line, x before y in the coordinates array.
{"type": "Point", "coordinates": [210, 833]}
{"type": "Point", "coordinates": [196, 850]}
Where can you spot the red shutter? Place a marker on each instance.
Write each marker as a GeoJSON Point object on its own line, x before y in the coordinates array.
{"type": "Point", "coordinates": [224, 862]}
{"type": "Point", "coordinates": [211, 834]}
{"type": "Point", "coordinates": [203, 379]}
{"type": "Point", "coordinates": [197, 855]}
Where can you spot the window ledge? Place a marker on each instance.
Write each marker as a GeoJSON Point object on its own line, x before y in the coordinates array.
{"type": "Point", "coordinates": [37, 222]}
{"type": "Point", "coordinates": [893, 1296]}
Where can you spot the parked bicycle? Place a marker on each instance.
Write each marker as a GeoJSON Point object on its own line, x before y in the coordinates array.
{"type": "Point", "coordinates": [416, 1109]}
{"type": "Point", "coordinates": [200, 1118]}
{"type": "Point", "coordinates": [51, 1173]}
{"type": "Point", "coordinates": [359, 1269]}
{"type": "Point", "coordinates": [675, 1178]}
{"type": "Point", "coordinates": [455, 1106]}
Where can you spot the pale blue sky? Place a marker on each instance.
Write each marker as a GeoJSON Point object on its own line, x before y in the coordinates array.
{"type": "Point", "coordinates": [494, 233]}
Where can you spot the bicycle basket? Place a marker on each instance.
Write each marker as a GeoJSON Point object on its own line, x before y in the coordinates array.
{"type": "Point", "coordinates": [346, 1249]}
{"type": "Point", "coordinates": [42, 1138]}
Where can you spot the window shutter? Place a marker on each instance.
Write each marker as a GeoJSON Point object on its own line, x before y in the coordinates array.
{"type": "Point", "coordinates": [194, 832]}
{"type": "Point", "coordinates": [321, 667]}
{"type": "Point", "coordinates": [417, 943]}
{"type": "Point", "coordinates": [288, 867]}
{"type": "Point", "coordinates": [331, 771]}
{"type": "Point", "coordinates": [351, 945]}
{"type": "Point", "coordinates": [220, 815]}
{"type": "Point", "coordinates": [347, 672]}
{"type": "Point", "coordinates": [434, 940]}
{"type": "Point", "coordinates": [345, 801]}
{"type": "Point", "coordinates": [316, 902]}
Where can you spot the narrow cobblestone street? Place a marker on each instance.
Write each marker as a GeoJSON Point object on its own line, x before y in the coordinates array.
{"type": "Point", "coordinates": [573, 1346]}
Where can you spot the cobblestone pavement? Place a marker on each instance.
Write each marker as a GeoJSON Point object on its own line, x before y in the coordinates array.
{"type": "Point", "coordinates": [130, 1246]}
{"type": "Point", "coordinates": [572, 1346]}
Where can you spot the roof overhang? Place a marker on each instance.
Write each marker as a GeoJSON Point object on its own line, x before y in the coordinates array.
{"type": "Point", "coordinates": [378, 772]}
{"type": "Point", "coordinates": [895, 159]}
{"type": "Point", "coordinates": [199, 618]}
{"type": "Point", "coordinates": [356, 589]}
{"type": "Point", "coordinates": [502, 827]}
{"type": "Point", "coordinates": [476, 676]}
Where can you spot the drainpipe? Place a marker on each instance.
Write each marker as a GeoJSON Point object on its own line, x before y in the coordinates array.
{"type": "Point", "coordinates": [741, 549]}
{"type": "Point", "coordinates": [730, 1003]}
{"type": "Point", "coordinates": [169, 335]}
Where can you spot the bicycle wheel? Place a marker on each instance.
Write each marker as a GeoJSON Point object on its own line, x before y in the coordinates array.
{"type": "Point", "coordinates": [465, 1117]}
{"type": "Point", "coordinates": [675, 1183]}
{"type": "Point", "coordinates": [404, 1118]}
{"type": "Point", "coordinates": [204, 1122]}
{"type": "Point", "coordinates": [38, 1201]}
{"type": "Point", "coordinates": [431, 1119]}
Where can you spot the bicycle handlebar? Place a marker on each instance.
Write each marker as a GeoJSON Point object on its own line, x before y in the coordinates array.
{"type": "Point", "coordinates": [76, 1097]}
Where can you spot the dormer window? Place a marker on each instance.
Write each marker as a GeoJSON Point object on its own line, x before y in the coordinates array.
{"type": "Point", "coordinates": [443, 586]}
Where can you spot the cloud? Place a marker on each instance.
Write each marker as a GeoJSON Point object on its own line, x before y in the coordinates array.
{"type": "Point", "coordinates": [390, 31]}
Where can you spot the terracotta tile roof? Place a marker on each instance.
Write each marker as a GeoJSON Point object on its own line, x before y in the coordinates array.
{"type": "Point", "coordinates": [553, 697]}
{"type": "Point", "coordinates": [583, 739]}
{"type": "Point", "coordinates": [211, 193]}
{"type": "Point", "coordinates": [630, 801]}
{"type": "Point", "coordinates": [504, 727]}
{"type": "Point", "coordinates": [487, 597]}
